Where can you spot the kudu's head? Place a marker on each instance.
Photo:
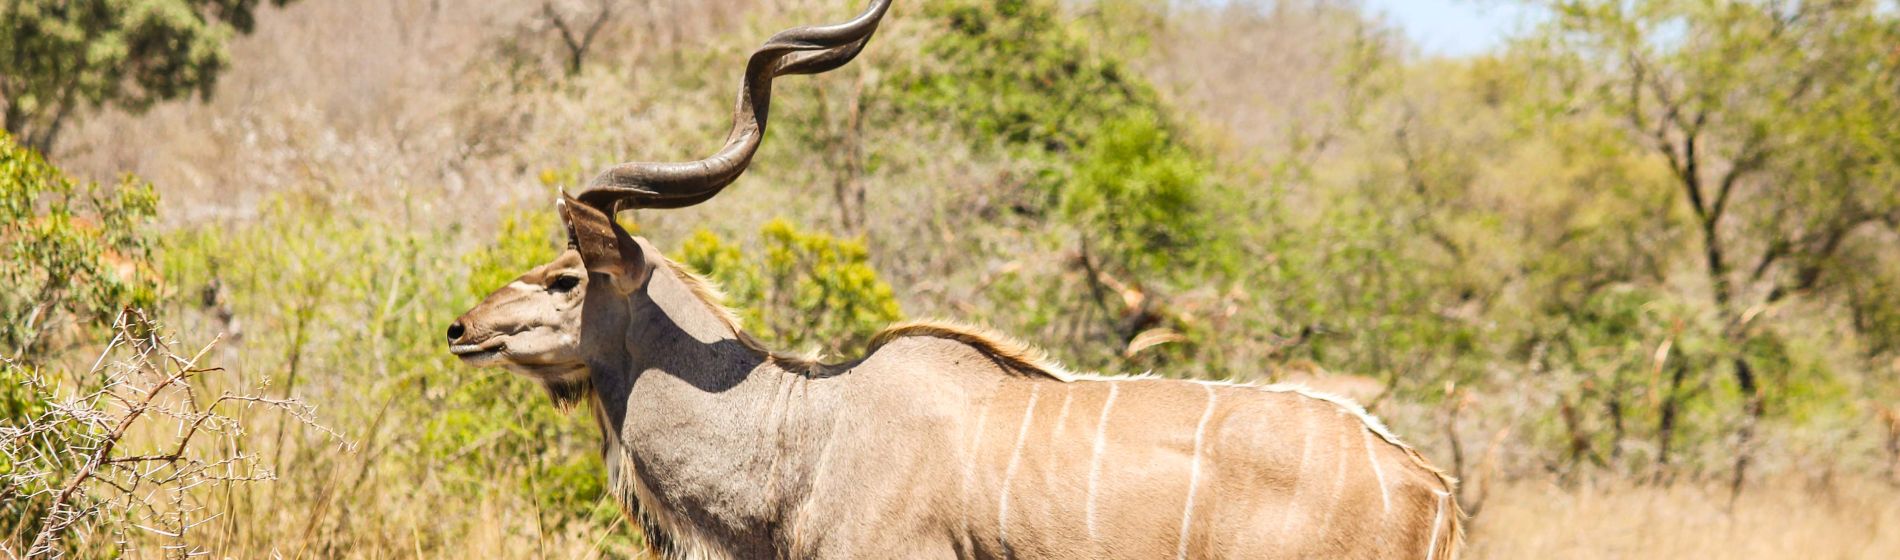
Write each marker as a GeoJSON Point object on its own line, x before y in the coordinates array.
{"type": "Point", "coordinates": [549, 323]}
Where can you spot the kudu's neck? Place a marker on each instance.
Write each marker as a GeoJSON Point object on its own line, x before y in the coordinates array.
{"type": "Point", "coordinates": [675, 318]}
{"type": "Point", "coordinates": [687, 415]}
{"type": "Point", "coordinates": [679, 339]}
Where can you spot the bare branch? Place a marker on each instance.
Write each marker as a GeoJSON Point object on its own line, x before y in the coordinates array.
{"type": "Point", "coordinates": [68, 463]}
{"type": "Point", "coordinates": [1814, 262]}
{"type": "Point", "coordinates": [578, 43]}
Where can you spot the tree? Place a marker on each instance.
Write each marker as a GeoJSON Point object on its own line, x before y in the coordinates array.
{"type": "Point", "coordinates": [61, 55]}
{"type": "Point", "coordinates": [576, 38]}
{"type": "Point", "coordinates": [1776, 121]}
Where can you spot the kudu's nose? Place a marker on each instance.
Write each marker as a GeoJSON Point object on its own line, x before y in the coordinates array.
{"type": "Point", "coordinates": [455, 331]}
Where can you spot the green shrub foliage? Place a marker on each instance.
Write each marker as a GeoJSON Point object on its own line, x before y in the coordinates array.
{"type": "Point", "coordinates": [72, 253]}
{"type": "Point", "coordinates": [1015, 74]}
{"type": "Point", "coordinates": [801, 289]}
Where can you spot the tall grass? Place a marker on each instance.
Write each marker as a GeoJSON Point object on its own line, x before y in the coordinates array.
{"type": "Point", "coordinates": [1788, 517]}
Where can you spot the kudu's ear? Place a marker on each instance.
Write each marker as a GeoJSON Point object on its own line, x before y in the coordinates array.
{"type": "Point", "coordinates": [604, 246]}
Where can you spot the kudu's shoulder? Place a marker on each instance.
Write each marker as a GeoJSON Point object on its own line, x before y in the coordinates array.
{"type": "Point", "coordinates": [962, 348]}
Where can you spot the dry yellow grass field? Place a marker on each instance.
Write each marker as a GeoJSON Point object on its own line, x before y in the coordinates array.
{"type": "Point", "coordinates": [1845, 519]}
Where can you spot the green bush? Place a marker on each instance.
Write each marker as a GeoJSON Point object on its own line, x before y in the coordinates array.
{"type": "Point", "coordinates": [65, 54]}
{"type": "Point", "coordinates": [805, 290]}
{"type": "Point", "coordinates": [71, 252]}
{"type": "Point", "coordinates": [1112, 177]}
{"type": "Point", "coordinates": [1013, 73]}
{"type": "Point", "coordinates": [1142, 193]}
{"type": "Point", "coordinates": [1016, 72]}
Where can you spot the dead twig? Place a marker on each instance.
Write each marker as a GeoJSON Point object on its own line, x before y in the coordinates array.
{"type": "Point", "coordinates": [85, 463]}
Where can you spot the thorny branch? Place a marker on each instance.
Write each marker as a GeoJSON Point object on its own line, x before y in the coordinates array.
{"type": "Point", "coordinates": [100, 456]}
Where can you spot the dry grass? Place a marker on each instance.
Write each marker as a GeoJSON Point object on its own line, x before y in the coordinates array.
{"type": "Point", "coordinates": [1785, 518]}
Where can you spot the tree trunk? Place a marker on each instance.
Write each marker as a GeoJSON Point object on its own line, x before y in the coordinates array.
{"type": "Point", "coordinates": [1892, 418]}
{"type": "Point", "coordinates": [14, 120]}
{"type": "Point", "coordinates": [1721, 289]}
{"type": "Point", "coordinates": [1614, 407]}
{"type": "Point", "coordinates": [1752, 406]}
{"type": "Point", "coordinates": [1666, 423]}
{"type": "Point", "coordinates": [848, 187]}
{"type": "Point", "coordinates": [1580, 447]}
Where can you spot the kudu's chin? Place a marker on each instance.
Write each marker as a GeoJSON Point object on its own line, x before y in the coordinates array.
{"type": "Point", "coordinates": [549, 373]}
{"type": "Point", "coordinates": [546, 372]}
{"type": "Point", "coordinates": [565, 383]}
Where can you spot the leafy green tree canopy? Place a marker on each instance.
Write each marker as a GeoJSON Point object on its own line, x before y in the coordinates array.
{"type": "Point", "coordinates": [1776, 123]}
{"type": "Point", "coordinates": [60, 55]}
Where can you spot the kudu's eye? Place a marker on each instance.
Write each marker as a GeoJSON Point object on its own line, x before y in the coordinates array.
{"type": "Point", "coordinates": [564, 284]}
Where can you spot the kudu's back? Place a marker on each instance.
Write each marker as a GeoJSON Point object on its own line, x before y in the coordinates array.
{"type": "Point", "coordinates": [944, 449]}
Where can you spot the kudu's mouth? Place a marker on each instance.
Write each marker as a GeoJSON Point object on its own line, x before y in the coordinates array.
{"type": "Point", "coordinates": [494, 353]}
{"type": "Point", "coordinates": [484, 354]}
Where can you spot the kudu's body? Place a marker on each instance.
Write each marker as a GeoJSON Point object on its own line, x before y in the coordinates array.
{"type": "Point", "coordinates": [944, 443]}
{"type": "Point", "coordinates": [941, 442]}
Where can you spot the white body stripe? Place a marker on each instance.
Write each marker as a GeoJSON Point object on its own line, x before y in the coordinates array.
{"type": "Point", "coordinates": [969, 469]}
{"type": "Point", "coordinates": [1299, 486]}
{"type": "Point", "coordinates": [1009, 473]}
{"type": "Point", "coordinates": [1095, 458]}
{"type": "Point", "coordinates": [1062, 418]}
{"type": "Point", "coordinates": [1437, 519]}
{"type": "Point", "coordinates": [1194, 473]}
{"type": "Point", "coordinates": [1385, 494]}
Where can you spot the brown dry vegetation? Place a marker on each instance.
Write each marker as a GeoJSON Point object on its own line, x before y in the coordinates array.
{"type": "Point", "coordinates": [367, 168]}
{"type": "Point", "coordinates": [1780, 519]}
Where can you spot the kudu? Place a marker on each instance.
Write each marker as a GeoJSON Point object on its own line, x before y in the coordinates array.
{"type": "Point", "coordinates": [942, 441]}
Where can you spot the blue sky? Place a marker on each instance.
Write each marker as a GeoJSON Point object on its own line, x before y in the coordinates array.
{"type": "Point", "coordinates": [1452, 27]}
